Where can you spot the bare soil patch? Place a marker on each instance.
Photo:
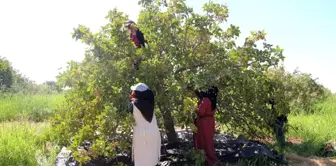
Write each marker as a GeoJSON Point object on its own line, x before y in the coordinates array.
{"type": "Point", "coordinates": [296, 160]}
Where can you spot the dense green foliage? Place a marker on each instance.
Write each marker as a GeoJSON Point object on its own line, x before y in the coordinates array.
{"type": "Point", "coordinates": [300, 90]}
{"type": "Point", "coordinates": [10, 79]}
{"type": "Point", "coordinates": [305, 92]}
{"type": "Point", "coordinates": [6, 74]}
{"type": "Point", "coordinates": [186, 49]}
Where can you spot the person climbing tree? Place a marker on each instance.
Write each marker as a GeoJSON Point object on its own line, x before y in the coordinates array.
{"type": "Point", "coordinates": [137, 37]}
{"type": "Point", "coordinates": [205, 123]}
{"type": "Point", "coordinates": [135, 34]}
{"type": "Point", "coordinates": [146, 147]}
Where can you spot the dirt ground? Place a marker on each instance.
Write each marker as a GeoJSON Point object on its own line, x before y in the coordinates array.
{"type": "Point", "coordinates": [311, 161]}
{"type": "Point", "coordinates": [304, 161]}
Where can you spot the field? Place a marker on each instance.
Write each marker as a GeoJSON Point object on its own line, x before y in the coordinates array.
{"type": "Point", "coordinates": [28, 107]}
{"type": "Point", "coordinates": [314, 129]}
{"type": "Point", "coordinates": [24, 129]}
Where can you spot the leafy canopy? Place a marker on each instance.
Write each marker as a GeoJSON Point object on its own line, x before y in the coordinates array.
{"type": "Point", "coordinates": [185, 48]}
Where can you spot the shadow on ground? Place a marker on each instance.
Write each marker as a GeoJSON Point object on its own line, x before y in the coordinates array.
{"type": "Point", "coordinates": [311, 161]}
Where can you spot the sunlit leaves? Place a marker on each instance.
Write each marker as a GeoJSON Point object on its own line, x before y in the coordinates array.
{"type": "Point", "coordinates": [186, 49]}
{"type": "Point", "coordinates": [218, 12]}
{"type": "Point", "coordinates": [82, 33]}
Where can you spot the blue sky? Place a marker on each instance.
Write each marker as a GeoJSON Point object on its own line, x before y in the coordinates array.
{"type": "Point", "coordinates": [35, 34]}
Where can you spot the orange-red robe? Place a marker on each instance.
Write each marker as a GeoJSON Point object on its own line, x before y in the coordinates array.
{"type": "Point", "coordinates": [205, 123]}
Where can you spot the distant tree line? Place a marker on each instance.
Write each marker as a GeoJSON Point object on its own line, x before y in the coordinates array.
{"type": "Point", "coordinates": [12, 81]}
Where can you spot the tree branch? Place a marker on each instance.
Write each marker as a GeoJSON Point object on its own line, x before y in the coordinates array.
{"type": "Point", "coordinates": [194, 48]}
{"type": "Point", "coordinates": [192, 67]}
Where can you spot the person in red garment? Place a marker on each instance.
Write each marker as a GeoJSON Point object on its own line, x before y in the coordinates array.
{"type": "Point", "coordinates": [205, 123]}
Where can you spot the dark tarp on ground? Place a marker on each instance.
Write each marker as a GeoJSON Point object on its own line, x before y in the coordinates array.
{"type": "Point", "coordinates": [228, 149]}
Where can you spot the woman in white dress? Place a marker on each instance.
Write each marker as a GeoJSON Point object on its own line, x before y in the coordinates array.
{"type": "Point", "coordinates": [146, 146]}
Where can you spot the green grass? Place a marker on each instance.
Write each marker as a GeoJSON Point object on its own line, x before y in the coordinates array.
{"type": "Point", "coordinates": [32, 107]}
{"type": "Point", "coordinates": [315, 129]}
{"type": "Point", "coordinates": [24, 144]}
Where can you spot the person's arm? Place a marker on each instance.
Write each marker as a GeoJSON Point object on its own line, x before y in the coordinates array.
{"type": "Point", "coordinates": [203, 106]}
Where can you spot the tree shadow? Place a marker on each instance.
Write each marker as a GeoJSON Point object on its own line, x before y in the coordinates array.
{"type": "Point", "coordinates": [306, 148]}
{"type": "Point", "coordinates": [309, 153]}
{"type": "Point", "coordinates": [312, 161]}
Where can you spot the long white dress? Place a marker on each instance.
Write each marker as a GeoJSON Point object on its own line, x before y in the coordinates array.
{"type": "Point", "coordinates": [146, 140]}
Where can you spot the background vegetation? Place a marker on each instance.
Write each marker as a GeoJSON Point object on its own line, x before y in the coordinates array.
{"type": "Point", "coordinates": [37, 119]}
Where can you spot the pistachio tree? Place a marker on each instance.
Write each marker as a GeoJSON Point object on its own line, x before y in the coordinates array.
{"type": "Point", "coordinates": [186, 51]}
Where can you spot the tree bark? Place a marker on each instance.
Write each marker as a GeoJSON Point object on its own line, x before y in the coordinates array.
{"type": "Point", "coordinates": [168, 123]}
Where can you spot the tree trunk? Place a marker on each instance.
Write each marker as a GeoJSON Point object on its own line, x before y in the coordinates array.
{"type": "Point", "coordinates": [168, 123]}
